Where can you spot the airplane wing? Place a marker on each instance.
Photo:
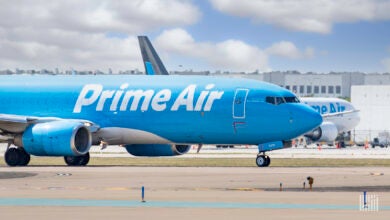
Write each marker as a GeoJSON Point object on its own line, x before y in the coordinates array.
{"type": "Point", "coordinates": [338, 113]}
{"type": "Point", "coordinates": [18, 123]}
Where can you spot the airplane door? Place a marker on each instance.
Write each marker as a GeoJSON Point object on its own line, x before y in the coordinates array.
{"type": "Point", "coordinates": [239, 103]}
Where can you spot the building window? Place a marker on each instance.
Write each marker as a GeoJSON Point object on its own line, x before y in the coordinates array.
{"type": "Point", "coordinates": [316, 89]}
{"type": "Point", "coordinates": [308, 89]}
{"type": "Point", "coordinates": [323, 89]}
{"type": "Point", "coordinates": [330, 89]}
{"type": "Point", "coordinates": [301, 89]}
{"type": "Point", "coordinates": [294, 89]}
{"type": "Point", "coordinates": [288, 87]}
{"type": "Point", "coordinates": [338, 89]}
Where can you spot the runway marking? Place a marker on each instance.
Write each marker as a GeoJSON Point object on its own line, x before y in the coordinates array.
{"type": "Point", "coordinates": [169, 204]}
{"type": "Point", "coordinates": [243, 189]}
{"type": "Point", "coordinates": [117, 188]}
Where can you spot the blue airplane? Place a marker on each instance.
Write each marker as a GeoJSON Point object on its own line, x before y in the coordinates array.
{"type": "Point", "coordinates": [158, 115]}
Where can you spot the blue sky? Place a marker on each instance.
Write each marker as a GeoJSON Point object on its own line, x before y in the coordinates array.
{"type": "Point", "coordinates": [356, 46]}
{"type": "Point", "coordinates": [227, 35]}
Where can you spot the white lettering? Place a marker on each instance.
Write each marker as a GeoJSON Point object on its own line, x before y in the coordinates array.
{"type": "Point", "coordinates": [186, 98]}
{"type": "Point", "coordinates": [159, 102]}
{"type": "Point", "coordinates": [104, 96]}
{"type": "Point", "coordinates": [82, 100]}
{"type": "Point", "coordinates": [214, 95]}
{"type": "Point", "coordinates": [118, 95]}
{"type": "Point", "coordinates": [137, 95]}
{"type": "Point", "coordinates": [132, 100]}
{"type": "Point", "coordinates": [202, 97]}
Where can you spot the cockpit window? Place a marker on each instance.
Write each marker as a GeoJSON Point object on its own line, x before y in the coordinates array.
{"type": "Point", "coordinates": [276, 100]}
{"type": "Point", "coordinates": [270, 100]}
{"type": "Point", "coordinates": [279, 100]}
{"type": "Point", "coordinates": [291, 99]}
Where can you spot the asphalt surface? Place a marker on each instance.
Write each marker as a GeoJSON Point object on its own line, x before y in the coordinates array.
{"type": "Point", "coordinates": [60, 192]}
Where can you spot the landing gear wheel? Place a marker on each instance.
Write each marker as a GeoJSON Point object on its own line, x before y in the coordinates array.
{"type": "Point", "coordinates": [267, 160]}
{"type": "Point", "coordinates": [77, 160]}
{"type": "Point", "coordinates": [16, 157]}
{"type": "Point", "coordinates": [12, 157]}
{"type": "Point", "coordinates": [24, 157]}
{"type": "Point", "coordinates": [263, 160]}
{"type": "Point", "coordinates": [84, 159]}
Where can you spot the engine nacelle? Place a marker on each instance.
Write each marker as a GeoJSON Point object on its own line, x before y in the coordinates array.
{"type": "Point", "coordinates": [157, 150]}
{"type": "Point", "coordinates": [56, 138]}
{"type": "Point", "coordinates": [326, 132]}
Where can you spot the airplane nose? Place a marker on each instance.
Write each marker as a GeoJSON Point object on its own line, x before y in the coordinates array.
{"type": "Point", "coordinates": [314, 118]}
{"type": "Point", "coordinates": [307, 119]}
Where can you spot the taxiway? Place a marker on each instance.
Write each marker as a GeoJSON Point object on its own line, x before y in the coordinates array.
{"type": "Point", "coordinates": [62, 192]}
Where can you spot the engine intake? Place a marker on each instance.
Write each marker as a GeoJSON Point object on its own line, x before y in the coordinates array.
{"type": "Point", "coordinates": [326, 132]}
{"type": "Point", "coordinates": [56, 138]}
{"type": "Point", "coordinates": [157, 150]}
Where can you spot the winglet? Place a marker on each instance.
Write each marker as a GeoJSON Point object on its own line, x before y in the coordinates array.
{"type": "Point", "coordinates": [152, 62]}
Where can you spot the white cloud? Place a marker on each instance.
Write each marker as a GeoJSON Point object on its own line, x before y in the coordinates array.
{"type": "Point", "coordinates": [69, 50]}
{"type": "Point", "coordinates": [289, 50]}
{"type": "Point", "coordinates": [98, 15]}
{"type": "Point", "coordinates": [309, 16]}
{"type": "Point", "coordinates": [233, 55]}
{"type": "Point", "coordinates": [386, 63]}
{"type": "Point", "coordinates": [65, 34]}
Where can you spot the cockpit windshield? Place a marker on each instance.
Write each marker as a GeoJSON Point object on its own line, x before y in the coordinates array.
{"type": "Point", "coordinates": [277, 100]}
{"type": "Point", "coordinates": [291, 99]}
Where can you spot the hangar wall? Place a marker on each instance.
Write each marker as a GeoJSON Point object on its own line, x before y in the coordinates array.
{"type": "Point", "coordinates": [374, 105]}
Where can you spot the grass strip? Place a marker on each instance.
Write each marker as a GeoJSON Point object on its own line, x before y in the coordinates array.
{"type": "Point", "coordinates": [210, 162]}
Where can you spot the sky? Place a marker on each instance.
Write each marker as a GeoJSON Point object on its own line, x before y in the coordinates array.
{"type": "Point", "coordinates": [226, 35]}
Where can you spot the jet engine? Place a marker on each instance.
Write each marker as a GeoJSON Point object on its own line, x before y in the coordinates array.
{"type": "Point", "coordinates": [326, 132]}
{"type": "Point", "coordinates": [157, 150]}
{"type": "Point", "coordinates": [56, 138]}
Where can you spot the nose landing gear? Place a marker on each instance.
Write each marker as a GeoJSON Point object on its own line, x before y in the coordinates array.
{"type": "Point", "coordinates": [263, 160]}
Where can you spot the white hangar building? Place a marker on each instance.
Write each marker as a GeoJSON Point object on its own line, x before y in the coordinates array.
{"type": "Point", "coordinates": [373, 101]}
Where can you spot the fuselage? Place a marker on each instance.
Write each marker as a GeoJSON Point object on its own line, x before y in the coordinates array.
{"type": "Point", "coordinates": [326, 106]}
{"type": "Point", "coordinates": [178, 109]}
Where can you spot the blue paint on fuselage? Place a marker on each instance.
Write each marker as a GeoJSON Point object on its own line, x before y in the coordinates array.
{"type": "Point", "coordinates": [56, 96]}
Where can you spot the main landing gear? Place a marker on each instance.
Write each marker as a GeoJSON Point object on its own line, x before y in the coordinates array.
{"type": "Point", "coordinates": [263, 160]}
{"type": "Point", "coordinates": [16, 156]}
{"type": "Point", "coordinates": [77, 160]}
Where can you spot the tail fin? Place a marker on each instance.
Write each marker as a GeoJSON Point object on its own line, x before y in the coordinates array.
{"type": "Point", "coordinates": [152, 62]}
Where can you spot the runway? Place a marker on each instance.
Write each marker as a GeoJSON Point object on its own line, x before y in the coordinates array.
{"type": "Point", "coordinates": [175, 193]}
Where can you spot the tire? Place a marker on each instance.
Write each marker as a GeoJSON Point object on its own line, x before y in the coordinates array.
{"type": "Point", "coordinates": [24, 157]}
{"type": "Point", "coordinates": [267, 161]}
{"type": "Point", "coordinates": [12, 157]}
{"type": "Point", "coordinates": [84, 159]}
{"type": "Point", "coordinates": [77, 160]}
{"type": "Point", "coordinates": [260, 161]}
